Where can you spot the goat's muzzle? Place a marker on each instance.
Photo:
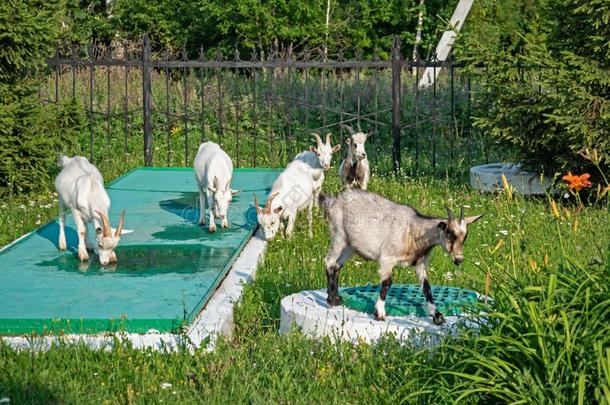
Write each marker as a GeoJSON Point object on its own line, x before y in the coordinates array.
{"type": "Point", "coordinates": [457, 260]}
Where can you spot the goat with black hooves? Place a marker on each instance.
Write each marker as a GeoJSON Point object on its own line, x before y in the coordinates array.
{"type": "Point", "coordinates": [391, 234]}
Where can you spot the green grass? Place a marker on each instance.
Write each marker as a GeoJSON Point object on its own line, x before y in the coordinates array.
{"type": "Point", "coordinates": [547, 341]}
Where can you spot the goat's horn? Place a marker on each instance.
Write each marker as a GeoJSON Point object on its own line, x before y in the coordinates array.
{"type": "Point", "coordinates": [119, 229]}
{"type": "Point", "coordinates": [462, 214]}
{"type": "Point", "coordinates": [449, 213]}
{"type": "Point", "coordinates": [349, 129]}
{"type": "Point", "coordinates": [328, 140]}
{"type": "Point", "coordinates": [269, 200]}
{"type": "Point", "coordinates": [258, 209]}
{"type": "Point", "coordinates": [317, 137]}
{"type": "Point", "coordinates": [106, 230]}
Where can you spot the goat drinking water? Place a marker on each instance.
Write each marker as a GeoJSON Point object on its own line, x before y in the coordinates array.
{"type": "Point", "coordinates": [80, 188]}
{"type": "Point", "coordinates": [213, 171]}
{"type": "Point", "coordinates": [354, 170]}
{"type": "Point", "coordinates": [390, 233]}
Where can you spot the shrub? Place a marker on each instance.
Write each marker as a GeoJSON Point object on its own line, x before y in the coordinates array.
{"type": "Point", "coordinates": [547, 99]}
{"type": "Point", "coordinates": [30, 134]}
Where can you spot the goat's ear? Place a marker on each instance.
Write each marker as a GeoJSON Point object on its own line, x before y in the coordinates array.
{"type": "Point", "coordinates": [470, 220]}
{"type": "Point", "coordinates": [278, 209]}
{"type": "Point", "coordinates": [313, 149]}
{"type": "Point", "coordinates": [234, 192]}
{"type": "Point", "coordinates": [336, 147]}
{"type": "Point", "coordinates": [442, 225]}
{"type": "Point", "coordinates": [369, 134]}
{"type": "Point", "coordinates": [348, 141]}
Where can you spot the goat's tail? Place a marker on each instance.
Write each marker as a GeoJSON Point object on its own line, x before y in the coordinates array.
{"type": "Point", "coordinates": [62, 160]}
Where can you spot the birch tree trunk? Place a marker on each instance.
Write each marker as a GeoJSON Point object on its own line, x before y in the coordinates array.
{"type": "Point", "coordinates": [420, 27]}
{"type": "Point", "coordinates": [326, 30]}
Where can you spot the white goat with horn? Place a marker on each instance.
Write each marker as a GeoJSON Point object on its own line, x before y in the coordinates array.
{"type": "Point", "coordinates": [291, 192]}
{"type": "Point", "coordinates": [214, 171]}
{"type": "Point", "coordinates": [354, 170]}
{"type": "Point", "coordinates": [318, 159]}
{"type": "Point", "coordinates": [80, 188]}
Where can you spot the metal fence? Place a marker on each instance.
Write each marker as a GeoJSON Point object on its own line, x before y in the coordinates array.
{"type": "Point", "coordinates": [155, 107]}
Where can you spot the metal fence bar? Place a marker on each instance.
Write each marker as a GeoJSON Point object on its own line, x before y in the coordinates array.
{"type": "Point", "coordinates": [254, 116]}
{"type": "Point", "coordinates": [90, 115]}
{"type": "Point", "coordinates": [185, 117]}
{"type": "Point", "coordinates": [396, 71]}
{"type": "Point", "coordinates": [146, 102]}
{"type": "Point", "coordinates": [126, 111]}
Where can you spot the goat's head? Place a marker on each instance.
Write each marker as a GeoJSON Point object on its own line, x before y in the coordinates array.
{"type": "Point", "coordinates": [453, 234]}
{"type": "Point", "coordinates": [107, 240]}
{"type": "Point", "coordinates": [356, 142]}
{"type": "Point", "coordinates": [222, 197]}
{"type": "Point", "coordinates": [268, 219]}
{"type": "Point", "coordinates": [324, 150]}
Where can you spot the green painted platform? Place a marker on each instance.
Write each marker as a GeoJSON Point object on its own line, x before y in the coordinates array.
{"type": "Point", "coordinates": [408, 299]}
{"type": "Point", "coordinates": [168, 266]}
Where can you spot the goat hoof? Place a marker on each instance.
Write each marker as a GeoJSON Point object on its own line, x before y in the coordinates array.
{"type": "Point", "coordinates": [379, 317]}
{"type": "Point", "coordinates": [438, 319]}
{"type": "Point", "coordinates": [83, 256]}
{"type": "Point", "coordinates": [62, 247]}
{"type": "Point", "coordinates": [212, 228]}
{"type": "Point", "coordinates": [334, 300]}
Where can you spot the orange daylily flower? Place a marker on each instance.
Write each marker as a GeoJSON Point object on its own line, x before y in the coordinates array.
{"type": "Point", "coordinates": [577, 182]}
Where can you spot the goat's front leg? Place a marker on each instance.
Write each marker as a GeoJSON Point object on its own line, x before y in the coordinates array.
{"type": "Point", "coordinates": [292, 216]}
{"type": "Point", "coordinates": [202, 198]}
{"type": "Point", "coordinates": [81, 228]}
{"type": "Point", "coordinates": [310, 218]}
{"type": "Point", "coordinates": [316, 196]}
{"type": "Point", "coordinates": [385, 276]}
{"type": "Point", "coordinates": [364, 184]}
{"type": "Point", "coordinates": [62, 223]}
{"type": "Point", "coordinates": [421, 269]}
{"type": "Point", "coordinates": [211, 206]}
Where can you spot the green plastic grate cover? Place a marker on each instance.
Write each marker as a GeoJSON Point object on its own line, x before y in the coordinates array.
{"type": "Point", "coordinates": [408, 299]}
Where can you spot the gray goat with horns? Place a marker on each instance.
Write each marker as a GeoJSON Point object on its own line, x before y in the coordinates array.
{"type": "Point", "coordinates": [354, 170]}
{"type": "Point", "coordinates": [389, 233]}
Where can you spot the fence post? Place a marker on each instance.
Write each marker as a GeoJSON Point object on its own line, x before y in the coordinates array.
{"type": "Point", "coordinates": [146, 102]}
{"type": "Point", "coordinates": [396, 70]}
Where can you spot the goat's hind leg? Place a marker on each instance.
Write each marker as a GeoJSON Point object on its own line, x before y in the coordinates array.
{"type": "Point", "coordinates": [202, 200]}
{"type": "Point", "coordinates": [385, 276]}
{"type": "Point", "coordinates": [338, 254]}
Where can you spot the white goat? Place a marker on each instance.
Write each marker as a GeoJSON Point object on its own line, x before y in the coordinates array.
{"type": "Point", "coordinates": [292, 191]}
{"type": "Point", "coordinates": [318, 159]}
{"type": "Point", "coordinates": [354, 171]}
{"type": "Point", "coordinates": [214, 171]}
{"type": "Point", "coordinates": [80, 188]}
{"type": "Point", "coordinates": [390, 233]}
